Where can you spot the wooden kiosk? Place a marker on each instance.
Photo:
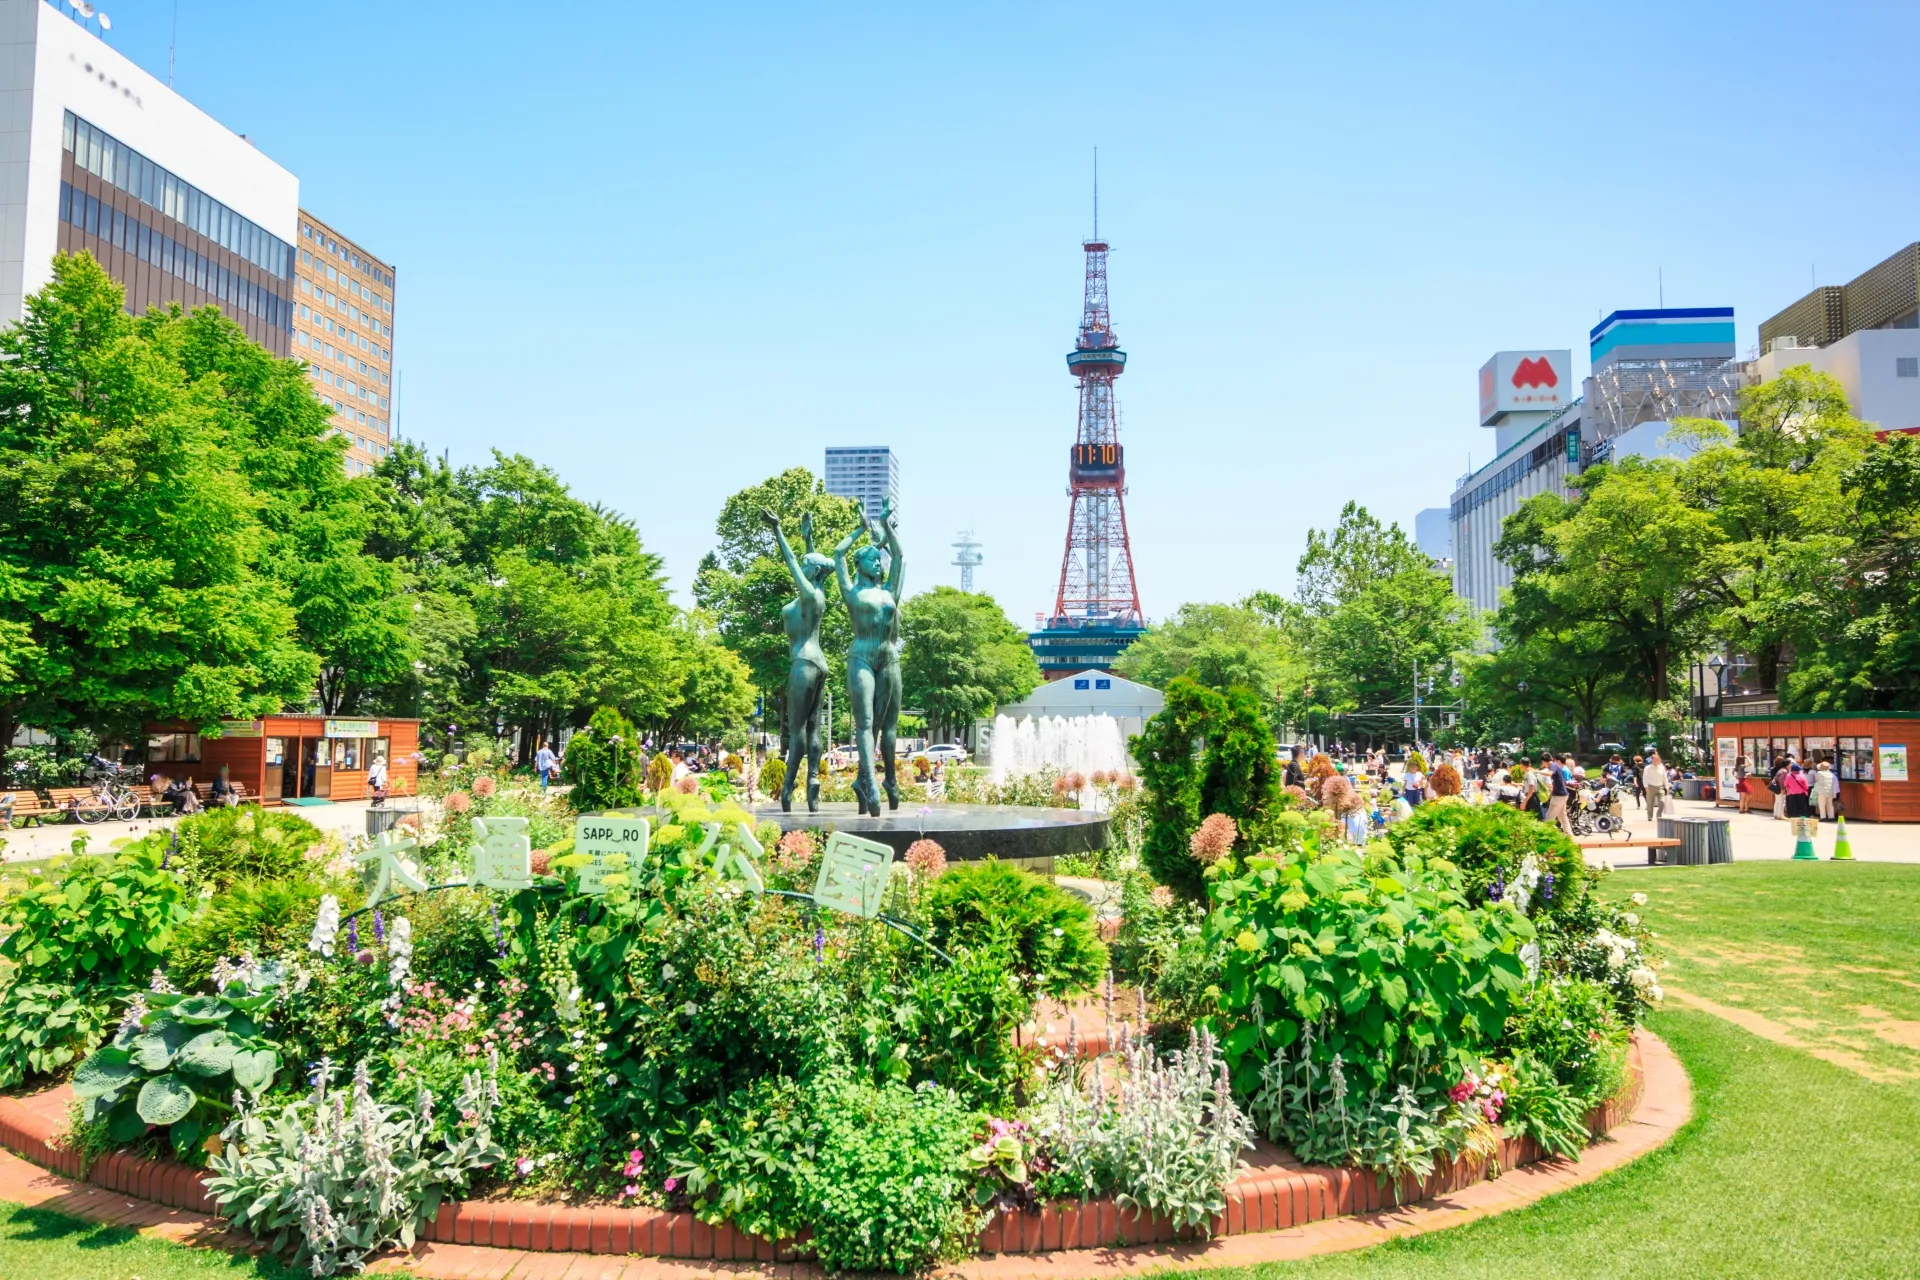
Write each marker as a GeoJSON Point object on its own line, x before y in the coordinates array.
{"type": "Point", "coordinates": [282, 758]}
{"type": "Point", "coordinates": [1869, 749]}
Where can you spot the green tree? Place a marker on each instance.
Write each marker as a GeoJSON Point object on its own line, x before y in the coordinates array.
{"type": "Point", "coordinates": [743, 581]}
{"type": "Point", "coordinates": [716, 691]}
{"type": "Point", "coordinates": [130, 537]}
{"type": "Point", "coordinates": [1206, 752]}
{"type": "Point", "coordinates": [962, 658]}
{"type": "Point", "coordinates": [1221, 646]}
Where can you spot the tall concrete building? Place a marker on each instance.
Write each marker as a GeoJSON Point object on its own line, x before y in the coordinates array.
{"type": "Point", "coordinates": [1865, 333]}
{"type": "Point", "coordinates": [96, 154]}
{"type": "Point", "coordinates": [869, 473]}
{"type": "Point", "coordinates": [343, 329]}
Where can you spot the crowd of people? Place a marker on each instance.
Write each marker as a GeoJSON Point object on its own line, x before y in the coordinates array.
{"type": "Point", "coordinates": [1791, 789]}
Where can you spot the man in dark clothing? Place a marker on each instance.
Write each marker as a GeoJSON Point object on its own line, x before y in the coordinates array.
{"type": "Point", "coordinates": [1296, 776]}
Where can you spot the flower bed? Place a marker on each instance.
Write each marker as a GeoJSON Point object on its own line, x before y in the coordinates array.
{"type": "Point", "coordinates": [1275, 1192]}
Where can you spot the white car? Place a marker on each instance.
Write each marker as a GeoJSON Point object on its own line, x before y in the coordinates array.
{"type": "Point", "coordinates": [946, 753]}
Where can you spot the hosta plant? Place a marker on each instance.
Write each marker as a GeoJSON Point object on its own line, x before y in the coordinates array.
{"type": "Point", "coordinates": [178, 1061]}
{"type": "Point", "coordinates": [340, 1176]}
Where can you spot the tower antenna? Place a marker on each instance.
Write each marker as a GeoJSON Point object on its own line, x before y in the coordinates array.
{"type": "Point", "coordinates": [1096, 193]}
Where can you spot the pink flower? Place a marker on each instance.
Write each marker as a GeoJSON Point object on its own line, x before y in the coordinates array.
{"type": "Point", "coordinates": [523, 1166]}
{"type": "Point", "coordinates": [795, 850]}
{"type": "Point", "coordinates": [1076, 781]}
{"type": "Point", "coordinates": [542, 861]}
{"type": "Point", "coordinates": [457, 802]}
{"type": "Point", "coordinates": [1461, 1092]}
{"type": "Point", "coordinates": [630, 1190]}
{"type": "Point", "coordinates": [671, 1184]}
{"type": "Point", "coordinates": [1127, 782]}
{"type": "Point", "coordinates": [1162, 896]}
{"type": "Point", "coordinates": [1214, 838]}
{"type": "Point", "coordinates": [927, 858]}
{"type": "Point", "coordinates": [484, 785]}
{"type": "Point", "coordinates": [1101, 777]}
{"type": "Point", "coordinates": [686, 786]}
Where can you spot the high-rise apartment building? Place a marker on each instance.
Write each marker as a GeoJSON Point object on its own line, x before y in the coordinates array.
{"type": "Point", "coordinates": [343, 329]}
{"type": "Point", "coordinates": [868, 472]}
{"type": "Point", "coordinates": [101, 156]}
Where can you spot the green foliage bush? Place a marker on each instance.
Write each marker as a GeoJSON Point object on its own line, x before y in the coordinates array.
{"type": "Point", "coordinates": [1204, 753]}
{"type": "Point", "coordinates": [603, 763]}
{"type": "Point", "coordinates": [44, 1027]}
{"type": "Point", "coordinates": [1490, 844]}
{"type": "Point", "coordinates": [220, 847]}
{"type": "Point", "coordinates": [105, 923]}
{"type": "Point", "coordinates": [1540, 1106]}
{"type": "Point", "coordinates": [773, 776]}
{"type": "Point", "coordinates": [263, 917]}
{"type": "Point", "coordinates": [659, 772]}
{"type": "Point", "coordinates": [1163, 946]}
{"type": "Point", "coordinates": [888, 1189]}
{"type": "Point", "coordinates": [1050, 932]}
{"type": "Point", "coordinates": [1571, 1025]}
{"type": "Point", "coordinates": [1376, 960]}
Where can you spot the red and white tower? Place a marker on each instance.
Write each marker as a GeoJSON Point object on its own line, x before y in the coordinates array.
{"type": "Point", "coordinates": [1097, 589]}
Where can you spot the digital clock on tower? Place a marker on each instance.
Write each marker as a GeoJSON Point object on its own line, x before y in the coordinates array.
{"type": "Point", "coordinates": [1096, 462]}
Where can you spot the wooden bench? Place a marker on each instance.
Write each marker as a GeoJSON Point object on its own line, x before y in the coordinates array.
{"type": "Point", "coordinates": [154, 807]}
{"type": "Point", "coordinates": [1652, 844]}
{"type": "Point", "coordinates": [205, 791]}
{"type": "Point", "coordinates": [17, 807]}
{"type": "Point", "coordinates": [72, 800]}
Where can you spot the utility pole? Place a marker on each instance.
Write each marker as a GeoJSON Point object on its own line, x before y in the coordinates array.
{"type": "Point", "coordinates": [1416, 704]}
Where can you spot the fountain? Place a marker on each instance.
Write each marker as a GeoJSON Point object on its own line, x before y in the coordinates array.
{"type": "Point", "coordinates": [1071, 744]}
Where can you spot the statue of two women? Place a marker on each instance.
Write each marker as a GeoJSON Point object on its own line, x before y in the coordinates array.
{"type": "Point", "coordinates": [871, 585]}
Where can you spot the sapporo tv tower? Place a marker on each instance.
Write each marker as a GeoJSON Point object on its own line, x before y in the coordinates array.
{"type": "Point", "coordinates": [1096, 613]}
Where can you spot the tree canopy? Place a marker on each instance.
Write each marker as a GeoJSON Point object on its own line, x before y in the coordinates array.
{"type": "Point", "coordinates": [962, 658]}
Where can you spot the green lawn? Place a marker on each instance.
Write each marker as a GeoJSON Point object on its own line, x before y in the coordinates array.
{"type": "Point", "coordinates": [1800, 1160]}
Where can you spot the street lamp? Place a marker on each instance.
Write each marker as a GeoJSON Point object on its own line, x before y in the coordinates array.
{"type": "Point", "coordinates": [1528, 744]}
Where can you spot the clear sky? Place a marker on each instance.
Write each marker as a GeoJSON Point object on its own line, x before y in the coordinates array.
{"type": "Point", "coordinates": [670, 250]}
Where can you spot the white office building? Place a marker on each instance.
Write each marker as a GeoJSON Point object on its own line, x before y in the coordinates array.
{"type": "Point", "coordinates": [96, 154]}
{"type": "Point", "coordinates": [869, 473]}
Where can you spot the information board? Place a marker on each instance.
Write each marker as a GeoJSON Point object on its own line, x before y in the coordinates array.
{"type": "Point", "coordinates": [617, 846]}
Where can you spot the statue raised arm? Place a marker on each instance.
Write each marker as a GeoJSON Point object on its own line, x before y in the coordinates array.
{"type": "Point", "coordinates": [807, 663]}
{"type": "Point", "coordinates": [868, 585]}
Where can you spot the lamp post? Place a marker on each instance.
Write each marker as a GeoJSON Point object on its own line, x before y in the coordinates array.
{"type": "Point", "coordinates": [1528, 744]}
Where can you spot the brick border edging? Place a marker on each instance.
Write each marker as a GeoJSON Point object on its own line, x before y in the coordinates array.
{"type": "Point", "coordinates": [1274, 1198]}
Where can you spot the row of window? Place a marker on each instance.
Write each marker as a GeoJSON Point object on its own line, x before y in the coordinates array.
{"type": "Point", "coordinates": [343, 333]}
{"type": "Point", "coordinates": [330, 245]}
{"type": "Point", "coordinates": [352, 312]}
{"type": "Point", "coordinates": [111, 160]}
{"type": "Point", "coordinates": [359, 416]}
{"type": "Point", "coordinates": [352, 388]}
{"type": "Point", "coordinates": [305, 339]}
{"type": "Point", "coordinates": [124, 232]}
{"type": "Point", "coordinates": [346, 282]}
{"type": "Point", "coordinates": [1852, 758]}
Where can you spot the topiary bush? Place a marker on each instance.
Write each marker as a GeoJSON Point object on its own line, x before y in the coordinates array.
{"type": "Point", "coordinates": [1204, 753]}
{"type": "Point", "coordinates": [773, 776]}
{"type": "Point", "coordinates": [1049, 933]}
{"type": "Point", "coordinates": [659, 773]}
{"type": "Point", "coordinates": [1494, 845]}
{"type": "Point", "coordinates": [603, 763]}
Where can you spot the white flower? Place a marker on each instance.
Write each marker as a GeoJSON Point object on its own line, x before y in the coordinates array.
{"type": "Point", "coordinates": [599, 1006]}
{"type": "Point", "coordinates": [1656, 993]}
{"type": "Point", "coordinates": [1639, 899]}
{"type": "Point", "coordinates": [1642, 977]}
{"type": "Point", "coordinates": [399, 951]}
{"type": "Point", "coordinates": [601, 1047]}
{"type": "Point", "coordinates": [325, 926]}
{"type": "Point", "coordinates": [1616, 959]}
{"type": "Point", "coordinates": [1633, 921]}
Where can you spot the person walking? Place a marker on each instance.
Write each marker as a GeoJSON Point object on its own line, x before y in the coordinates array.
{"type": "Point", "coordinates": [1639, 783]}
{"type": "Point", "coordinates": [1796, 789]}
{"type": "Point", "coordinates": [1826, 791]}
{"type": "Point", "coordinates": [1413, 783]}
{"type": "Point", "coordinates": [1653, 780]}
{"type": "Point", "coordinates": [1559, 786]}
{"type": "Point", "coordinates": [543, 763]}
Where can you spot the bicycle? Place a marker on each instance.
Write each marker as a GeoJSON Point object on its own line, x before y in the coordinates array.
{"type": "Point", "coordinates": [111, 799]}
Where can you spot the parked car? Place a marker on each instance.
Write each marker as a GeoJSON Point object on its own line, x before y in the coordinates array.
{"type": "Point", "coordinates": [946, 753]}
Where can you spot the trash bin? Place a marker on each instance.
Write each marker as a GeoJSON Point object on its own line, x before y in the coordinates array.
{"type": "Point", "coordinates": [386, 817]}
{"type": "Point", "coordinates": [1719, 839]}
{"type": "Point", "coordinates": [1693, 834]}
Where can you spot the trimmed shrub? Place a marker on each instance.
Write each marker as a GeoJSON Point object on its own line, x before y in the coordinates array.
{"type": "Point", "coordinates": [1491, 844]}
{"type": "Point", "coordinates": [1204, 753]}
{"type": "Point", "coordinates": [603, 763]}
{"type": "Point", "coordinates": [773, 776]}
{"type": "Point", "coordinates": [221, 847]}
{"type": "Point", "coordinates": [1049, 932]}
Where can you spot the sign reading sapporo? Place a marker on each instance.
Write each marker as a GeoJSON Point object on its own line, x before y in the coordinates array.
{"type": "Point", "coordinates": [616, 846]}
{"type": "Point", "coordinates": [853, 875]}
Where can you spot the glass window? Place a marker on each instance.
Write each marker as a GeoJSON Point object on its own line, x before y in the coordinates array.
{"type": "Point", "coordinates": [346, 753]}
{"type": "Point", "coordinates": [173, 747]}
{"type": "Point", "coordinates": [1819, 749]}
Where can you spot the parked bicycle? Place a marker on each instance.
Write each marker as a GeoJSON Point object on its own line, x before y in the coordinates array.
{"type": "Point", "coordinates": [111, 798]}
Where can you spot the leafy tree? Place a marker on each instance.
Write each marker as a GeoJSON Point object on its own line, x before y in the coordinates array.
{"type": "Point", "coordinates": [716, 691]}
{"type": "Point", "coordinates": [1221, 646]}
{"type": "Point", "coordinates": [130, 537]}
{"type": "Point", "coordinates": [1206, 752]}
{"type": "Point", "coordinates": [962, 658]}
{"type": "Point", "coordinates": [743, 581]}
{"type": "Point", "coordinates": [1338, 567]}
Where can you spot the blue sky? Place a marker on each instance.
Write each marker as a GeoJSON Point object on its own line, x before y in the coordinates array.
{"type": "Point", "coordinates": [670, 250]}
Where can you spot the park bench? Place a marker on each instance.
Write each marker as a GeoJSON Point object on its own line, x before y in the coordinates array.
{"type": "Point", "coordinates": [205, 791]}
{"type": "Point", "coordinates": [17, 807]}
{"type": "Point", "coordinates": [152, 805]}
{"type": "Point", "coordinates": [73, 799]}
{"type": "Point", "coordinates": [1652, 844]}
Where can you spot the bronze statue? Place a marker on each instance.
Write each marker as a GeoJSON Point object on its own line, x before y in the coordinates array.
{"type": "Point", "coordinates": [807, 676]}
{"type": "Point", "coordinates": [873, 659]}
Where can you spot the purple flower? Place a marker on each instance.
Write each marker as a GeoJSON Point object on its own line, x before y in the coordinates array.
{"type": "Point", "coordinates": [379, 927]}
{"type": "Point", "coordinates": [353, 934]}
{"type": "Point", "coordinates": [499, 937]}
{"type": "Point", "coordinates": [819, 946]}
{"type": "Point", "coordinates": [1546, 887]}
